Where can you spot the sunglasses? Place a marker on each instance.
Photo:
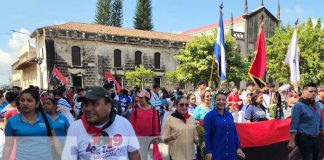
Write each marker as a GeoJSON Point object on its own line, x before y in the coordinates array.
{"type": "Point", "coordinates": [183, 104]}
{"type": "Point", "coordinates": [218, 100]}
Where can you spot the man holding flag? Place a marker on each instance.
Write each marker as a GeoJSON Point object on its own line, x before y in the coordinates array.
{"type": "Point", "coordinates": [219, 49]}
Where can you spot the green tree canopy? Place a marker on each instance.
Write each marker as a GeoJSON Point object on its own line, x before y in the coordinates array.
{"type": "Point", "coordinates": [143, 15]}
{"type": "Point", "coordinates": [310, 49]}
{"type": "Point", "coordinates": [196, 58]}
{"type": "Point", "coordinates": [103, 12]}
{"type": "Point", "coordinates": [116, 18]}
{"type": "Point", "coordinates": [140, 76]}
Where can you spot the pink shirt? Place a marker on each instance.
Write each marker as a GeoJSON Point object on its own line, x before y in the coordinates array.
{"type": "Point", "coordinates": [143, 122]}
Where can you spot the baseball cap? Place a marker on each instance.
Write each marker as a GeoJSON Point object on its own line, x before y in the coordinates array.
{"type": "Point", "coordinates": [94, 93]}
{"type": "Point", "coordinates": [144, 93]}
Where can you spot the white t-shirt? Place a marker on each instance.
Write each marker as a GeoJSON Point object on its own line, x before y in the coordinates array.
{"type": "Point", "coordinates": [122, 139]}
{"type": "Point", "coordinates": [198, 98]}
{"type": "Point", "coordinates": [2, 141]}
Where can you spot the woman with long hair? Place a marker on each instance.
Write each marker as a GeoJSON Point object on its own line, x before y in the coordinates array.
{"type": "Point", "coordinates": [256, 111]}
{"type": "Point", "coordinates": [206, 106]}
{"type": "Point", "coordinates": [221, 137]}
{"type": "Point", "coordinates": [30, 128]}
{"type": "Point", "coordinates": [192, 103]}
{"type": "Point", "coordinates": [144, 119]}
{"type": "Point", "coordinates": [179, 132]}
{"type": "Point", "coordinates": [59, 121]}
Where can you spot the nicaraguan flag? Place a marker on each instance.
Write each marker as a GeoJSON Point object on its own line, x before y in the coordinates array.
{"type": "Point", "coordinates": [292, 60]}
{"type": "Point", "coordinates": [219, 50]}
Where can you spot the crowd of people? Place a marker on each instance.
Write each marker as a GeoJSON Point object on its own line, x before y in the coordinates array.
{"type": "Point", "coordinates": [102, 123]}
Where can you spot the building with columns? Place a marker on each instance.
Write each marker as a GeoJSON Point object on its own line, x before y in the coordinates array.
{"type": "Point", "coordinates": [83, 52]}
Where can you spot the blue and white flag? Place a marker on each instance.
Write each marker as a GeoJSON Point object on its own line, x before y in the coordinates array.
{"type": "Point", "coordinates": [292, 60]}
{"type": "Point", "coordinates": [219, 50]}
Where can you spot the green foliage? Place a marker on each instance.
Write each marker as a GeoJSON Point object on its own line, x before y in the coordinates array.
{"type": "Point", "coordinates": [311, 53]}
{"type": "Point", "coordinates": [103, 12]}
{"type": "Point", "coordinates": [116, 18]}
{"type": "Point", "coordinates": [143, 15]}
{"type": "Point", "coordinates": [196, 58]}
{"type": "Point", "coordinates": [139, 76]}
{"type": "Point", "coordinates": [237, 64]}
{"type": "Point", "coordinates": [172, 76]}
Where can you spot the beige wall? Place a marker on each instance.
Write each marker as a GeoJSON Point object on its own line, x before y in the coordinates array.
{"type": "Point", "coordinates": [29, 76]}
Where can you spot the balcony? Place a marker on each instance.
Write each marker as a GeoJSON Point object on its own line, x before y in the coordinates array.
{"type": "Point", "coordinates": [27, 59]}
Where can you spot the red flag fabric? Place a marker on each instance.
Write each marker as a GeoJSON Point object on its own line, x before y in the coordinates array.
{"type": "Point", "coordinates": [111, 79]}
{"type": "Point", "coordinates": [259, 63]}
{"type": "Point", "coordinates": [263, 133]}
{"type": "Point", "coordinates": [57, 77]}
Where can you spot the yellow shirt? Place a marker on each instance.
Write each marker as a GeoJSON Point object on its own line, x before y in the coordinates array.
{"type": "Point", "coordinates": [183, 147]}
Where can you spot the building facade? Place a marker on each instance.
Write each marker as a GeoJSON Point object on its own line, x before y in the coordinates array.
{"type": "Point", "coordinates": [83, 52]}
{"type": "Point", "coordinates": [244, 28]}
{"type": "Point", "coordinates": [24, 69]}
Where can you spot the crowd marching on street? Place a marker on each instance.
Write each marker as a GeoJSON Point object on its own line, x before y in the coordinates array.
{"type": "Point", "coordinates": [100, 122]}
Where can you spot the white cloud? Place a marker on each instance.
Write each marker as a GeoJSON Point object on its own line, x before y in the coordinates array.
{"type": "Point", "coordinates": [16, 41]}
{"type": "Point", "coordinates": [6, 59]}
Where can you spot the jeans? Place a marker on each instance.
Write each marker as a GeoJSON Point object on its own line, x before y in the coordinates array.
{"type": "Point", "coordinates": [309, 146]}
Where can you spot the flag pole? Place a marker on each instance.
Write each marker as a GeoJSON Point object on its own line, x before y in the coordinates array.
{"type": "Point", "coordinates": [211, 71]}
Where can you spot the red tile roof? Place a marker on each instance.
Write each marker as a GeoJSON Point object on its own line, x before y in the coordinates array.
{"type": "Point", "coordinates": [95, 28]}
{"type": "Point", "coordinates": [212, 26]}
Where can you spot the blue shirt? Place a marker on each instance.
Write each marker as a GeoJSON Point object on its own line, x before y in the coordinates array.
{"type": "Point", "coordinates": [31, 139]}
{"type": "Point", "coordinates": [4, 103]}
{"type": "Point", "coordinates": [200, 112]}
{"type": "Point", "coordinates": [255, 113]}
{"type": "Point", "coordinates": [220, 135]}
{"type": "Point", "coordinates": [305, 120]}
{"type": "Point", "coordinates": [124, 102]}
{"type": "Point", "coordinates": [60, 125]}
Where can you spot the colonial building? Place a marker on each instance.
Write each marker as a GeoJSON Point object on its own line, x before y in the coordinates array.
{"type": "Point", "coordinates": [244, 28]}
{"type": "Point", "coordinates": [24, 69]}
{"type": "Point", "coordinates": [83, 52]}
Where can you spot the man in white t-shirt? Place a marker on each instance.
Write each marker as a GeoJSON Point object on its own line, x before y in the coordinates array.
{"type": "Point", "coordinates": [100, 133]}
{"type": "Point", "coordinates": [200, 90]}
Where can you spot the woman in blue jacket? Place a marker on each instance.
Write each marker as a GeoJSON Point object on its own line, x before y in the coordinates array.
{"type": "Point", "coordinates": [221, 138]}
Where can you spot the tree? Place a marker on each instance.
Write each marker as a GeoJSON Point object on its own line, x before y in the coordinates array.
{"type": "Point", "coordinates": [103, 12]}
{"type": "Point", "coordinates": [143, 15]}
{"type": "Point", "coordinates": [116, 18]}
{"type": "Point", "coordinates": [172, 77]}
{"type": "Point", "coordinates": [196, 58]}
{"type": "Point", "coordinates": [140, 76]}
{"type": "Point", "coordinates": [310, 49]}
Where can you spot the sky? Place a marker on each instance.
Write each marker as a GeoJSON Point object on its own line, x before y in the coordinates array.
{"type": "Point", "coordinates": [173, 16]}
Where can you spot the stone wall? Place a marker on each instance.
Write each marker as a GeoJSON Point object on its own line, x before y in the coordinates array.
{"type": "Point", "coordinates": [97, 57]}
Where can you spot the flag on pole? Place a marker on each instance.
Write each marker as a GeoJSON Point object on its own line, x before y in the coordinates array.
{"type": "Point", "coordinates": [111, 79]}
{"type": "Point", "coordinates": [57, 78]}
{"type": "Point", "coordinates": [219, 49]}
{"type": "Point", "coordinates": [292, 59]}
{"type": "Point", "coordinates": [259, 63]}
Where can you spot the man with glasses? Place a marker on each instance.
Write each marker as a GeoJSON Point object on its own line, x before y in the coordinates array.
{"type": "Point", "coordinates": [100, 133]}
{"type": "Point", "coordinates": [306, 124]}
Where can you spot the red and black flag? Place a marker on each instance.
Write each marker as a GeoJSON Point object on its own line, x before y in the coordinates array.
{"type": "Point", "coordinates": [266, 140]}
{"type": "Point", "coordinates": [112, 80]}
{"type": "Point", "coordinates": [259, 64]}
{"type": "Point", "coordinates": [57, 78]}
